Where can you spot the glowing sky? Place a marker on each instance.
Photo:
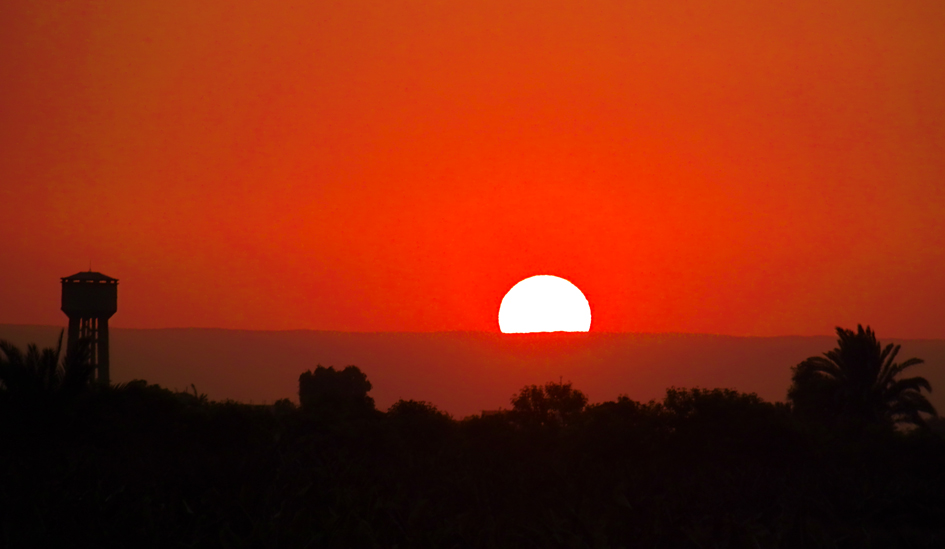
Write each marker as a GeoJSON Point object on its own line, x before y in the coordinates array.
{"type": "Point", "coordinates": [735, 167]}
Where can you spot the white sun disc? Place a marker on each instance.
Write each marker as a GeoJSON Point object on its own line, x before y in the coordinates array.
{"type": "Point", "coordinates": [544, 303]}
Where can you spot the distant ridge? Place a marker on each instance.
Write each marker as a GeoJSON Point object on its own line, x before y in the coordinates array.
{"type": "Point", "coordinates": [466, 372]}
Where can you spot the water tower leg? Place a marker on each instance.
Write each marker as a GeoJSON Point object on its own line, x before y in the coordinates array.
{"type": "Point", "coordinates": [103, 351]}
{"type": "Point", "coordinates": [73, 333]}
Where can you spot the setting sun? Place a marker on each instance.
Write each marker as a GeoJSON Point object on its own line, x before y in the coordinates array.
{"type": "Point", "coordinates": [544, 303]}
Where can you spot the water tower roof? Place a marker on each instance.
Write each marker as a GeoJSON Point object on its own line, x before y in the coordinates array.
{"type": "Point", "coordinates": [89, 276]}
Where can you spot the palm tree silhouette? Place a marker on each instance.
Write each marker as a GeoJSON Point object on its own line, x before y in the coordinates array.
{"type": "Point", "coordinates": [856, 384]}
{"type": "Point", "coordinates": [41, 373]}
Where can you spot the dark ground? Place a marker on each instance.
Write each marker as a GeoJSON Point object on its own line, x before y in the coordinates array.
{"type": "Point", "coordinates": [141, 466]}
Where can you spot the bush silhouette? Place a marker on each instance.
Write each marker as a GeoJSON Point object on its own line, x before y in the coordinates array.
{"type": "Point", "coordinates": [411, 409]}
{"type": "Point", "coordinates": [856, 384]}
{"type": "Point", "coordinates": [553, 405]}
{"type": "Point", "coordinates": [336, 394]}
{"type": "Point", "coordinates": [712, 404]}
{"type": "Point", "coordinates": [419, 423]}
{"type": "Point", "coordinates": [726, 419]}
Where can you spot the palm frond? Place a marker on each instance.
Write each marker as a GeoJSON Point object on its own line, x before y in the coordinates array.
{"type": "Point", "coordinates": [888, 356]}
{"type": "Point", "coordinates": [908, 384]}
{"type": "Point", "coordinates": [823, 366]}
{"type": "Point", "coordinates": [897, 369]}
{"type": "Point", "coordinates": [908, 406]}
{"type": "Point", "coordinates": [38, 373]}
{"type": "Point", "coordinates": [888, 359]}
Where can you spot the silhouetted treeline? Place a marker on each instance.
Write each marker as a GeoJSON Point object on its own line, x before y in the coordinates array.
{"type": "Point", "coordinates": [139, 465]}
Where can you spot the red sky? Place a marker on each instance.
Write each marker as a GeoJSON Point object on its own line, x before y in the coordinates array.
{"type": "Point", "coordinates": [733, 167]}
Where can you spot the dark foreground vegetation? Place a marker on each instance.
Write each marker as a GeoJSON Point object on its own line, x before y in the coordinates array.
{"type": "Point", "coordinates": [137, 465]}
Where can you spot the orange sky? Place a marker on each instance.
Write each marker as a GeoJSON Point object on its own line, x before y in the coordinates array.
{"type": "Point", "coordinates": [734, 167]}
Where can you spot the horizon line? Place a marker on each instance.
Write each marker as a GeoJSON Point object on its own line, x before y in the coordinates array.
{"type": "Point", "coordinates": [487, 332]}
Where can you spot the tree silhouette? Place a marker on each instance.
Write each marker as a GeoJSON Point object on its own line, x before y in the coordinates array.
{"type": "Point", "coordinates": [420, 423]}
{"type": "Point", "coordinates": [554, 404]}
{"type": "Point", "coordinates": [36, 373]}
{"type": "Point", "coordinates": [336, 394]}
{"type": "Point", "coordinates": [856, 384]}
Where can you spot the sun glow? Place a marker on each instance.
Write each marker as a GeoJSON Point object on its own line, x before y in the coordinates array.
{"type": "Point", "coordinates": [544, 303]}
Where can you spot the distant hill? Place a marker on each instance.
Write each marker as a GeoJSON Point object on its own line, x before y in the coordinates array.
{"type": "Point", "coordinates": [466, 372]}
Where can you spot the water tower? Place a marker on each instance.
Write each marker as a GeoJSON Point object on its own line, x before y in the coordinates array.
{"type": "Point", "coordinates": [89, 299]}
